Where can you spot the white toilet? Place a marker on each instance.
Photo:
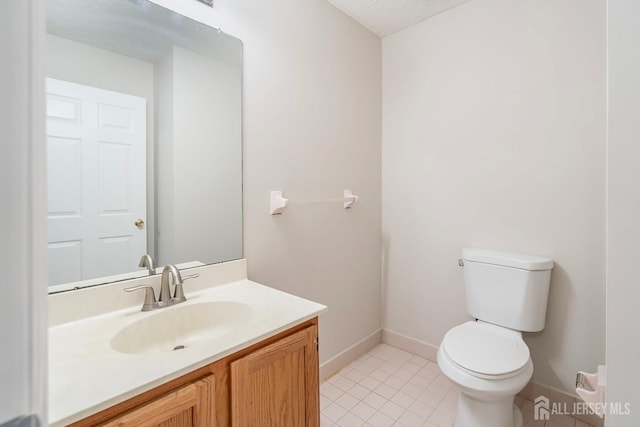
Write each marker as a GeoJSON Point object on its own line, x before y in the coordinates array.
{"type": "Point", "coordinates": [487, 358]}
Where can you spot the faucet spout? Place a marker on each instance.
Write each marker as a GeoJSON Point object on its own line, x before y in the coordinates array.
{"type": "Point", "coordinates": [165, 291]}
{"type": "Point", "coordinates": [147, 261]}
{"type": "Point", "coordinates": [165, 299]}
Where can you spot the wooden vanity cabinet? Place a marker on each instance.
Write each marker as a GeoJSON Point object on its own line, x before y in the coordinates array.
{"type": "Point", "coordinates": [188, 406]}
{"type": "Point", "coordinates": [277, 385]}
{"type": "Point", "coordinates": [273, 383]}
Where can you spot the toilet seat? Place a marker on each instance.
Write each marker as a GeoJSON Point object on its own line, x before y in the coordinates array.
{"type": "Point", "coordinates": [485, 350]}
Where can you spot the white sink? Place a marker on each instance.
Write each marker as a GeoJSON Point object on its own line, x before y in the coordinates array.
{"type": "Point", "coordinates": [181, 327]}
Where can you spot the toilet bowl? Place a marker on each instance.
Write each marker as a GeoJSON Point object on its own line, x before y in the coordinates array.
{"type": "Point", "coordinates": [489, 366]}
{"type": "Point", "coordinates": [487, 358]}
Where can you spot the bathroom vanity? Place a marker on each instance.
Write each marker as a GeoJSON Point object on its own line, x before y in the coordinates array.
{"type": "Point", "coordinates": [274, 382]}
{"type": "Point", "coordinates": [235, 353]}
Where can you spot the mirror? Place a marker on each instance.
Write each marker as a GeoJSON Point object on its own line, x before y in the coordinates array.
{"type": "Point", "coordinates": [144, 141]}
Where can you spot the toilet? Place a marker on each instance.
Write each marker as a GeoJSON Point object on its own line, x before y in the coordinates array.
{"type": "Point", "coordinates": [487, 358]}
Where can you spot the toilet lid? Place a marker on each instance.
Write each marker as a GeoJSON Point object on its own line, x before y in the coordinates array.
{"type": "Point", "coordinates": [485, 348]}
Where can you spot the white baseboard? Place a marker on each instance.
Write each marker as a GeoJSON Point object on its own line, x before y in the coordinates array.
{"type": "Point", "coordinates": [347, 356]}
{"type": "Point", "coordinates": [530, 392]}
{"type": "Point", "coordinates": [412, 345]}
{"type": "Point", "coordinates": [564, 399]}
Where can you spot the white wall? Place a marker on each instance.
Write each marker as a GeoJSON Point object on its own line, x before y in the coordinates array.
{"type": "Point", "coordinates": [164, 185]}
{"type": "Point", "coordinates": [23, 309]}
{"type": "Point", "coordinates": [493, 136]}
{"type": "Point", "coordinates": [207, 158]}
{"type": "Point", "coordinates": [623, 210]}
{"type": "Point", "coordinates": [199, 157]}
{"type": "Point", "coordinates": [311, 127]}
{"type": "Point", "coordinates": [88, 65]}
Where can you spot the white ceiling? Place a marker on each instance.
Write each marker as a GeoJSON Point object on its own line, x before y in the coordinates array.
{"type": "Point", "coordinates": [385, 17]}
{"type": "Point", "coordinates": [140, 29]}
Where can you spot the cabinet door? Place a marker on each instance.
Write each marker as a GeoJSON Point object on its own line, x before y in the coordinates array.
{"type": "Point", "coordinates": [277, 386]}
{"type": "Point", "coordinates": [190, 405]}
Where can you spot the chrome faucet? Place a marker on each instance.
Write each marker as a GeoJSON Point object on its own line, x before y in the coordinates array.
{"type": "Point", "coordinates": [147, 261]}
{"type": "Point", "coordinates": [164, 299]}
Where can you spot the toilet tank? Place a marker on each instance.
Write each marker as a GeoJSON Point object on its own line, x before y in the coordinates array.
{"type": "Point", "coordinates": [507, 289]}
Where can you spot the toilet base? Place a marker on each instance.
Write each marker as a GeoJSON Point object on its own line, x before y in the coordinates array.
{"type": "Point", "coordinates": [517, 417]}
{"type": "Point", "coordinates": [481, 413]}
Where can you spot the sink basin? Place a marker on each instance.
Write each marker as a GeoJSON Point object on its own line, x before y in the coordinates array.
{"type": "Point", "coordinates": [179, 327]}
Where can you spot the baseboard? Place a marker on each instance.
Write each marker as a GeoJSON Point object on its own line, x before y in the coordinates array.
{"type": "Point", "coordinates": [530, 392]}
{"type": "Point", "coordinates": [564, 400]}
{"type": "Point", "coordinates": [412, 345]}
{"type": "Point", "coordinates": [347, 356]}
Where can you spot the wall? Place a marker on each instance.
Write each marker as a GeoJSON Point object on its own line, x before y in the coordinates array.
{"type": "Point", "coordinates": [311, 127]}
{"type": "Point", "coordinates": [199, 129]}
{"type": "Point", "coordinates": [493, 136]}
{"type": "Point", "coordinates": [208, 139]}
{"type": "Point", "coordinates": [88, 65]}
{"type": "Point", "coordinates": [164, 185]}
{"type": "Point", "coordinates": [23, 307]}
{"type": "Point", "coordinates": [623, 210]}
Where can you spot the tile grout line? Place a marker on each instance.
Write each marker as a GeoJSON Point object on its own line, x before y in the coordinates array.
{"type": "Point", "coordinates": [390, 387]}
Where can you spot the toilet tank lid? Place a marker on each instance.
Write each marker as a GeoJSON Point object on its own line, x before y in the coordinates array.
{"type": "Point", "coordinates": [507, 259]}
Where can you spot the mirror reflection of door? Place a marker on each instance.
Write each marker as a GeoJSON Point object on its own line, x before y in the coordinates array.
{"type": "Point", "coordinates": [96, 159]}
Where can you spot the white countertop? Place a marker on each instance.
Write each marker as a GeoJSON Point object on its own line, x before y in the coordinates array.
{"type": "Point", "coordinates": [86, 375]}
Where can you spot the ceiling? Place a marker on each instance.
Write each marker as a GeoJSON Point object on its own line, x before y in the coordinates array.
{"type": "Point", "coordinates": [385, 17]}
{"type": "Point", "coordinates": [137, 28]}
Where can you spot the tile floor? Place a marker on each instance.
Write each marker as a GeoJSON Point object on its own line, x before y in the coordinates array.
{"type": "Point", "coordinates": [390, 387]}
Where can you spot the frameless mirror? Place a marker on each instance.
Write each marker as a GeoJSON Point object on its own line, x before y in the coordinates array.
{"type": "Point", "coordinates": [144, 141]}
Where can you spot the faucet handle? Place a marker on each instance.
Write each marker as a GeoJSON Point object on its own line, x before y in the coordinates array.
{"type": "Point", "coordinates": [149, 296]}
{"type": "Point", "coordinates": [178, 294]}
